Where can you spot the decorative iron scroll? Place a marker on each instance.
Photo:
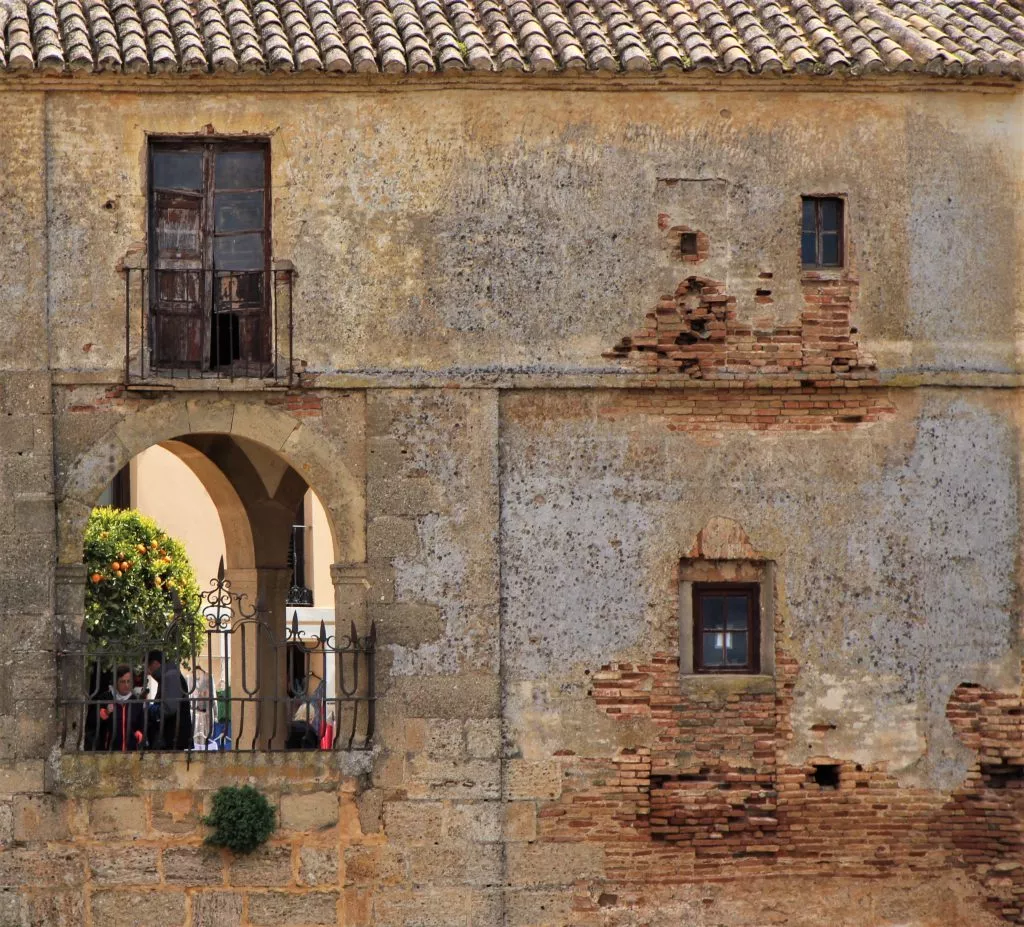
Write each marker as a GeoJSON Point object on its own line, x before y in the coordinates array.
{"type": "Point", "coordinates": [240, 685]}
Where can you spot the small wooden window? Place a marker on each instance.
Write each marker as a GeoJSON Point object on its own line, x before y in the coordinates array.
{"type": "Point", "coordinates": [821, 242]}
{"type": "Point", "coordinates": [726, 628]}
{"type": "Point", "coordinates": [688, 244]}
{"type": "Point", "coordinates": [209, 228]}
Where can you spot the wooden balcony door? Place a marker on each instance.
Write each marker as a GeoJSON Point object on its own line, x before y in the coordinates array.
{"type": "Point", "coordinates": [210, 256]}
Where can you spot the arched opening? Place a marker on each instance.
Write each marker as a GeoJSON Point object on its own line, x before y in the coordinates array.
{"type": "Point", "coordinates": [274, 666]}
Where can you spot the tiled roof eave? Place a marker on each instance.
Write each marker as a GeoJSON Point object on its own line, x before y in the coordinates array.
{"type": "Point", "coordinates": [540, 39]}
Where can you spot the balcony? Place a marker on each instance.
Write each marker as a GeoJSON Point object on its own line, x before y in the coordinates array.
{"type": "Point", "coordinates": [202, 325]}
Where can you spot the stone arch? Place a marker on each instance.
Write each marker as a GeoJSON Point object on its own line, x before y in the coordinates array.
{"type": "Point", "coordinates": [320, 465]}
{"type": "Point", "coordinates": [240, 549]}
{"type": "Point", "coordinates": [257, 464]}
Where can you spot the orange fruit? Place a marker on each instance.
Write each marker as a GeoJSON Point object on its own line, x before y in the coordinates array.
{"type": "Point", "coordinates": [96, 577]}
{"type": "Point", "coordinates": [117, 573]}
{"type": "Point", "coordinates": [115, 565]}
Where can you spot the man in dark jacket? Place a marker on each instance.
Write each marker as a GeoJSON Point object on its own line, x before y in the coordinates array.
{"type": "Point", "coordinates": [171, 721]}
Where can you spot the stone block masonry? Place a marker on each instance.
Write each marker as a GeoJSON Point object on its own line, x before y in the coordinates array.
{"type": "Point", "coordinates": [116, 846]}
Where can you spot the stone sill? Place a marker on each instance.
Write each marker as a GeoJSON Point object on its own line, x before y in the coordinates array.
{"type": "Point", "coordinates": [727, 684]}
{"type": "Point", "coordinates": [214, 384]}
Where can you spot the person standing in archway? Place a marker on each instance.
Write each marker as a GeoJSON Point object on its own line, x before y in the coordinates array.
{"type": "Point", "coordinates": [171, 720]}
{"type": "Point", "coordinates": [122, 721]}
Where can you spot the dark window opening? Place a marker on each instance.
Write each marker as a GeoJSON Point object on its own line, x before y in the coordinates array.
{"type": "Point", "coordinates": [726, 628]}
{"type": "Point", "coordinates": [688, 243]}
{"type": "Point", "coordinates": [209, 230]}
{"type": "Point", "coordinates": [821, 241]}
{"type": "Point", "coordinates": [299, 592]}
{"type": "Point", "coordinates": [121, 489]}
{"type": "Point", "coordinates": [118, 494]}
{"type": "Point", "coordinates": [827, 775]}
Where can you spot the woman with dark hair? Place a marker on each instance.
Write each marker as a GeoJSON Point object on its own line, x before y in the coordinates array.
{"type": "Point", "coordinates": [122, 723]}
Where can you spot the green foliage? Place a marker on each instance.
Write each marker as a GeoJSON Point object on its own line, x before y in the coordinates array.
{"type": "Point", "coordinates": [241, 817]}
{"type": "Point", "coordinates": [132, 567]}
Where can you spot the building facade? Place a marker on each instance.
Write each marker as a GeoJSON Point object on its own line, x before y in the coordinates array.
{"type": "Point", "coordinates": [658, 369]}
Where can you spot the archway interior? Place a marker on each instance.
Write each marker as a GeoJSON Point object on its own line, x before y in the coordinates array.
{"type": "Point", "coordinates": [233, 500]}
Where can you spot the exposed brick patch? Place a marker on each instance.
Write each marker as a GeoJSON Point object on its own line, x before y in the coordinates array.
{"type": "Point", "coordinates": [299, 402]}
{"type": "Point", "coordinates": [115, 398]}
{"type": "Point", "coordinates": [695, 333]}
{"type": "Point", "coordinates": [711, 797]}
{"type": "Point", "coordinates": [985, 817]}
{"type": "Point", "coordinates": [723, 406]}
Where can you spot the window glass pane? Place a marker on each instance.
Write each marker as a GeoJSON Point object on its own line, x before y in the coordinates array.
{"type": "Point", "coordinates": [737, 612]}
{"type": "Point", "coordinates": [238, 252]}
{"type": "Point", "coordinates": [238, 211]}
{"type": "Point", "coordinates": [809, 248]}
{"type": "Point", "coordinates": [830, 248]}
{"type": "Point", "coordinates": [830, 215]}
{"type": "Point", "coordinates": [736, 648]}
{"type": "Point", "coordinates": [712, 612]}
{"type": "Point", "coordinates": [714, 649]}
{"type": "Point", "coordinates": [809, 224]}
{"type": "Point", "coordinates": [235, 170]}
{"type": "Point", "coordinates": [178, 170]}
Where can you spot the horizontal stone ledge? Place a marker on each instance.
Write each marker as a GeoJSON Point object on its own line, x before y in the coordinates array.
{"type": "Point", "coordinates": [487, 379]}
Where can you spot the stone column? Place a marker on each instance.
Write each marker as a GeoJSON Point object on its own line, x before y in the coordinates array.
{"type": "Point", "coordinates": [243, 659]}
{"type": "Point", "coordinates": [273, 583]}
{"type": "Point", "coordinates": [69, 613]}
{"type": "Point", "coordinates": [350, 585]}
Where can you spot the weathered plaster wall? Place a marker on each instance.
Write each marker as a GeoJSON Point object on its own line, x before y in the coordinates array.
{"type": "Point", "coordinates": [539, 758]}
{"type": "Point", "coordinates": [896, 548]}
{"type": "Point", "coordinates": [436, 230]}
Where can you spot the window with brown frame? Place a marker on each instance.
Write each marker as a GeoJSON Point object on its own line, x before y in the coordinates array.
{"type": "Point", "coordinates": [726, 628]}
{"type": "Point", "coordinates": [209, 227]}
{"type": "Point", "coordinates": [821, 241]}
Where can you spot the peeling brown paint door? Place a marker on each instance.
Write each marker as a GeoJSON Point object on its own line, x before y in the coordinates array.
{"type": "Point", "coordinates": [178, 321]}
{"type": "Point", "coordinates": [210, 306]}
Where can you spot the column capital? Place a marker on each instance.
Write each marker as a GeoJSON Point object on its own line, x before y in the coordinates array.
{"type": "Point", "coordinates": [71, 574]}
{"type": "Point", "coordinates": [349, 573]}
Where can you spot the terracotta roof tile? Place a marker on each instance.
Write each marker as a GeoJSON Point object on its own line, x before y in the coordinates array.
{"type": "Point", "coordinates": [947, 37]}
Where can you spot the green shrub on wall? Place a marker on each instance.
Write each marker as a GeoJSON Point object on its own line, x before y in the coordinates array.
{"type": "Point", "coordinates": [242, 819]}
{"type": "Point", "coordinates": [132, 569]}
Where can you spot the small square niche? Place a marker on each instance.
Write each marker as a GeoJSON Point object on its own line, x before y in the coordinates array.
{"type": "Point", "coordinates": [827, 775]}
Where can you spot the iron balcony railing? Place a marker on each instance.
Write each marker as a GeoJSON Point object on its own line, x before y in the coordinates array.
{"type": "Point", "coordinates": [255, 690]}
{"type": "Point", "coordinates": [226, 325]}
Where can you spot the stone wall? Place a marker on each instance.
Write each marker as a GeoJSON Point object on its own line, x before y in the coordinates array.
{"type": "Point", "coordinates": [517, 511]}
